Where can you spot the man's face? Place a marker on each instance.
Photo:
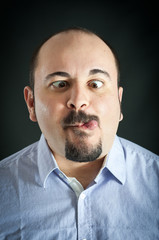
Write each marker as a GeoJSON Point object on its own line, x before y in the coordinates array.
{"type": "Point", "coordinates": [77, 101]}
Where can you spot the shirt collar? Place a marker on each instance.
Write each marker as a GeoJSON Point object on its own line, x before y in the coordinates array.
{"type": "Point", "coordinates": [116, 161]}
{"type": "Point", "coordinates": [46, 161]}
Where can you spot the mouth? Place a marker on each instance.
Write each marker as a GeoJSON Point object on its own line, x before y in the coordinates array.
{"type": "Point", "coordinates": [91, 125]}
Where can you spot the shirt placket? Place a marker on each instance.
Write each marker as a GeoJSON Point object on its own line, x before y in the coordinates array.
{"type": "Point", "coordinates": [84, 222]}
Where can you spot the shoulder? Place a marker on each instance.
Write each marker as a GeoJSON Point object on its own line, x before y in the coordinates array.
{"type": "Point", "coordinates": [139, 158]}
{"type": "Point", "coordinates": [142, 167]}
{"type": "Point", "coordinates": [140, 161]}
{"type": "Point", "coordinates": [14, 168]}
{"type": "Point", "coordinates": [13, 159]}
{"type": "Point", "coordinates": [135, 150]}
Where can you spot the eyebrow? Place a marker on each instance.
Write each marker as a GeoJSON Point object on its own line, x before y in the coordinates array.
{"type": "Point", "coordinates": [96, 70]}
{"type": "Point", "coordinates": [61, 74]}
{"type": "Point", "coordinates": [65, 74]}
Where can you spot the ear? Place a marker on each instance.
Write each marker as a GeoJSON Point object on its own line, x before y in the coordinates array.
{"type": "Point", "coordinates": [29, 99]}
{"type": "Point", "coordinates": [120, 93]}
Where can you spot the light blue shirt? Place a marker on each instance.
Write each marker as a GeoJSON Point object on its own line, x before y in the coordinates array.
{"type": "Point", "coordinates": [37, 201]}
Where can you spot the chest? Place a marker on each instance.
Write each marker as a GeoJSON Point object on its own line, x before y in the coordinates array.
{"type": "Point", "coordinates": [105, 211]}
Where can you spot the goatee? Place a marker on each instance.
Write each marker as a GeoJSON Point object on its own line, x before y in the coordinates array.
{"type": "Point", "coordinates": [82, 152]}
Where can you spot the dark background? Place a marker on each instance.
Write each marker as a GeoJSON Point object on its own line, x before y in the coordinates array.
{"type": "Point", "coordinates": [131, 27]}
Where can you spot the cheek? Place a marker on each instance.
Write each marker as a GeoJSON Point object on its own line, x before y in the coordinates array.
{"type": "Point", "coordinates": [48, 110]}
{"type": "Point", "coordinates": [108, 107]}
{"type": "Point", "coordinates": [109, 120]}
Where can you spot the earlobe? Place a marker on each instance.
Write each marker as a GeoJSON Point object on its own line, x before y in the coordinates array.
{"type": "Point", "coordinates": [29, 99]}
{"type": "Point", "coordinates": [120, 94]}
{"type": "Point", "coordinates": [120, 100]}
{"type": "Point", "coordinates": [121, 117]}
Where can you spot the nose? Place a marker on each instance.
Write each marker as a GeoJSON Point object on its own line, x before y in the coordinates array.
{"type": "Point", "coordinates": [78, 99]}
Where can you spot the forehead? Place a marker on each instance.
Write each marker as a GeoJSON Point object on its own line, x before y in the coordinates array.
{"type": "Point", "coordinates": [75, 49]}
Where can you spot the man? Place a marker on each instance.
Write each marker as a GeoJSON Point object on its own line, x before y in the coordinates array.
{"type": "Point", "coordinates": [80, 181]}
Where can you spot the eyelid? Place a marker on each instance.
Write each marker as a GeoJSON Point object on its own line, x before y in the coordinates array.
{"type": "Point", "coordinates": [58, 82]}
{"type": "Point", "coordinates": [96, 80]}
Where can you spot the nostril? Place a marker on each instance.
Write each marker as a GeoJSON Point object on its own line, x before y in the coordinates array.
{"type": "Point", "coordinates": [76, 105]}
{"type": "Point", "coordinates": [83, 105]}
{"type": "Point", "coordinates": [72, 106]}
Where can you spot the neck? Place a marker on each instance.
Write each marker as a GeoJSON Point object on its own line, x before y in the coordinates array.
{"type": "Point", "coordinates": [84, 172]}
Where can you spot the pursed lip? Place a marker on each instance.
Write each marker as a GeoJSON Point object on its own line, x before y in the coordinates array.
{"type": "Point", "coordinates": [80, 120]}
{"type": "Point", "coordinates": [75, 125]}
{"type": "Point", "coordinates": [90, 125]}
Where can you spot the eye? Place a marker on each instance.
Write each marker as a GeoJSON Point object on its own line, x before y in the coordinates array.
{"type": "Point", "coordinates": [60, 84]}
{"type": "Point", "coordinates": [96, 84]}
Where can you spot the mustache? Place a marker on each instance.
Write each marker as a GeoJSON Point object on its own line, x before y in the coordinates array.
{"type": "Point", "coordinates": [78, 117]}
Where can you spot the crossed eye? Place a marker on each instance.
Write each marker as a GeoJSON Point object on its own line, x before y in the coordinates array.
{"type": "Point", "coordinates": [96, 84]}
{"type": "Point", "coordinates": [60, 84]}
{"type": "Point", "coordinates": [64, 84]}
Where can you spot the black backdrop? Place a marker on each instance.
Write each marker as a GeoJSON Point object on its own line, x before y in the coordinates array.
{"type": "Point", "coordinates": [132, 29]}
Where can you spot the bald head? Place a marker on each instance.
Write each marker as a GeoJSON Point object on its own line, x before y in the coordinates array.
{"type": "Point", "coordinates": [75, 71]}
{"type": "Point", "coordinates": [66, 39]}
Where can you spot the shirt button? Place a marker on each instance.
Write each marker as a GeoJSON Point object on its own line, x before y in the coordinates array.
{"type": "Point", "coordinates": [61, 175]}
{"type": "Point", "coordinates": [83, 197]}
